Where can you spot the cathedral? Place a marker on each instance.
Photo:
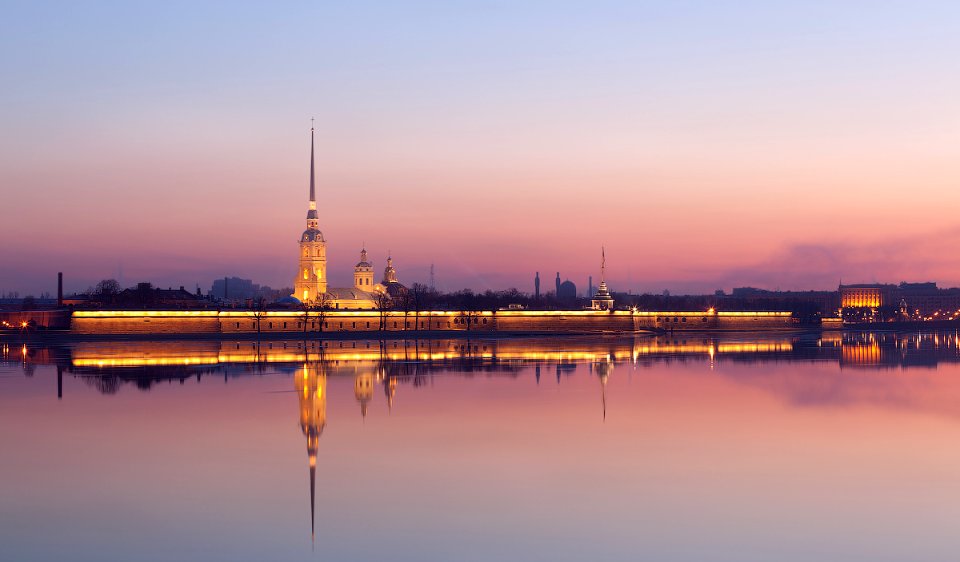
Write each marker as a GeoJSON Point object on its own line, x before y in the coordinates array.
{"type": "Point", "coordinates": [310, 285]}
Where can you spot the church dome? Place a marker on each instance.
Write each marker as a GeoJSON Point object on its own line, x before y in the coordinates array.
{"type": "Point", "coordinates": [567, 290]}
{"type": "Point", "coordinates": [312, 235]}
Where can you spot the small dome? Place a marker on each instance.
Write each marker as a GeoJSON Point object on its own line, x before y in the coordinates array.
{"type": "Point", "coordinates": [291, 300]}
{"type": "Point", "coordinates": [312, 235]}
{"type": "Point", "coordinates": [363, 259]}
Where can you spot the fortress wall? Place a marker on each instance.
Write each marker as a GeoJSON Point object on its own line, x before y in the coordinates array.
{"type": "Point", "coordinates": [54, 319]}
{"type": "Point", "coordinates": [144, 322]}
{"type": "Point", "coordinates": [349, 321]}
{"type": "Point", "coordinates": [564, 321]}
{"type": "Point", "coordinates": [290, 322]}
{"type": "Point", "coordinates": [689, 321]}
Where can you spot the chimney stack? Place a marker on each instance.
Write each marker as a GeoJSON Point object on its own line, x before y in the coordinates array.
{"type": "Point", "coordinates": [59, 289]}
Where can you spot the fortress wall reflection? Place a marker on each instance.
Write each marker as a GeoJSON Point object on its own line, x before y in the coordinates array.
{"type": "Point", "coordinates": [172, 353]}
{"type": "Point", "coordinates": [870, 350]}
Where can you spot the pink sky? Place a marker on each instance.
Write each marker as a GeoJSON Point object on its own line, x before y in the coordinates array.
{"type": "Point", "coordinates": [776, 147]}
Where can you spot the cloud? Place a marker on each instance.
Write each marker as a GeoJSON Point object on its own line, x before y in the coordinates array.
{"type": "Point", "coordinates": [929, 257]}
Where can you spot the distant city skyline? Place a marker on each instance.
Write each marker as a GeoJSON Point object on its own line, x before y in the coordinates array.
{"type": "Point", "coordinates": [705, 145]}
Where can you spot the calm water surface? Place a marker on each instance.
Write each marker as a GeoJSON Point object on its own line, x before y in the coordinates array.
{"type": "Point", "coordinates": [742, 448]}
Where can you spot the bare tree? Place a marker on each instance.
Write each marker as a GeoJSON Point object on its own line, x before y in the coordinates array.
{"type": "Point", "coordinates": [405, 302]}
{"type": "Point", "coordinates": [305, 308]}
{"type": "Point", "coordinates": [259, 307]}
{"type": "Point", "coordinates": [384, 304]}
{"type": "Point", "coordinates": [322, 306]}
{"type": "Point", "coordinates": [418, 294]}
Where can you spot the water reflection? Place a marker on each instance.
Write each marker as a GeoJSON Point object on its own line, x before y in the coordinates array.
{"type": "Point", "coordinates": [818, 374]}
{"type": "Point", "coordinates": [311, 388]}
{"type": "Point", "coordinates": [108, 365]}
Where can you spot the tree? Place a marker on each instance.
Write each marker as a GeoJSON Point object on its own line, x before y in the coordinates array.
{"type": "Point", "coordinates": [107, 289]}
{"type": "Point", "coordinates": [384, 304]}
{"type": "Point", "coordinates": [305, 307]}
{"type": "Point", "coordinates": [322, 306]}
{"type": "Point", "coordinates": [259, 307]}
{"type": "Point", "coordinates": [405, 303]}
{"type": "Point", "coordinates": [418, 293]}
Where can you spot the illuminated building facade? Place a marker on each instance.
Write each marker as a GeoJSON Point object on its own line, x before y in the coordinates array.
{"type": "Point", "coordinates": [866, 295]}
{"type": "Point", "coordinates": [925, 299]}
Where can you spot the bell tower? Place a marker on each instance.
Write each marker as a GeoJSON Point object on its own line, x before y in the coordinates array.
{"type": "Point", "coordinates": [363, 273]}
{"type": "Point", "coordinates": [311, 280]}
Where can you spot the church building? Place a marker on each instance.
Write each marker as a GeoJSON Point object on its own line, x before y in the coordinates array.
{"type": "Point", "coordinates": [310, 285]}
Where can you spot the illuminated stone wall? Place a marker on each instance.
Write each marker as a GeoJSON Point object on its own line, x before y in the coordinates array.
{"type": "Point", "coordinates": [54, 319]}
{"type": "Point", "coordinates": [145, 322]}
{"type": "Point", "coordinates": [290, 322]}
{"type": "Point", "coordinates": [690, 321]}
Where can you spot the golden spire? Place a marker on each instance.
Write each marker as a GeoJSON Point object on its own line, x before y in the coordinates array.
{"type": "Point", "coordinates": [312, 219]}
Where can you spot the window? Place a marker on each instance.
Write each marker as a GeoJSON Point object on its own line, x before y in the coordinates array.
{"type": "Point", "coordinates": [238, 325]}
{"type": "Point", "coordinates": [684, 319]}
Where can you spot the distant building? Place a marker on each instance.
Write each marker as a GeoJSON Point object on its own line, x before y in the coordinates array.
{"type": "Point", "coordinates": [145, 295]}
{"type": "Point", "coordinates": [826, 302]}
{"type": "Point", "coordinates": [928, 299]}
{"type": "Point", "coordinates": [566, 291]}
{"type": "Point", "coordinates": [925, 298]}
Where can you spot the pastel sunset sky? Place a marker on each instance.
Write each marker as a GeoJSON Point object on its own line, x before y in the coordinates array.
{"type": "Point", "coordinates": [705, 144]}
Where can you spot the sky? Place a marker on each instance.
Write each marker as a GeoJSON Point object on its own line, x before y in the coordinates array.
{"type": "Point", "coordinates": [705, 145]}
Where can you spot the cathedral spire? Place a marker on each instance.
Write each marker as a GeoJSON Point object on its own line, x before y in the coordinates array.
{"type": "Point", "coordinates": [313, 495]}
{"type": "Point", "coordinates": [312, 213]}
{"type": "Point", "coordinates": [603, 263]}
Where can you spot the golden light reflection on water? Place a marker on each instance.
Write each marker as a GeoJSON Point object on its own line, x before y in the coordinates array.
{"type": "Point", "coordinates": [853, 350]}
{"type": "Point", "coordinates": [149, 354]}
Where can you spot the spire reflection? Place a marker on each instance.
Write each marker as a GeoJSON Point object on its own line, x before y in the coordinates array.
{"type": "Point", "coordinates": [310, 385]}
